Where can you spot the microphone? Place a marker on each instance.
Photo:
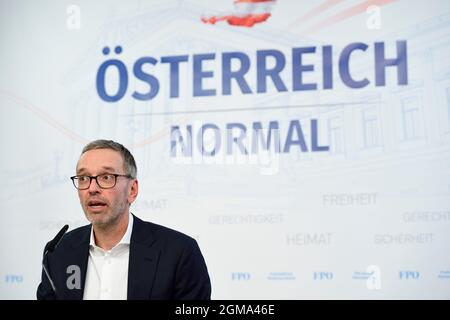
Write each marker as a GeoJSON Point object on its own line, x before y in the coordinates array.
{"type": "Point", "coordinates": [50, 247]}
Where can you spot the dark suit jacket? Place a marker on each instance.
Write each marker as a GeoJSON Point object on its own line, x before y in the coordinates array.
{"type": "Point", "coordinates": [163, 264]}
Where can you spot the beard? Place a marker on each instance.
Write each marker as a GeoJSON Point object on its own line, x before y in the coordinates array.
{"type": "Point", "coordinates": [110, 216]}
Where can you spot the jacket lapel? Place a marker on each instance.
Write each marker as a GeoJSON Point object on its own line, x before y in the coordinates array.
{"type": "Point", "coordinates": [142, 262]}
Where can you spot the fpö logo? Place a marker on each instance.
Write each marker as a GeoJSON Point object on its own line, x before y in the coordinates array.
{"type": "Point", "coordinates": [322, 275]}
{"type": "Point", "coordinates": [240, 276]}
{"type": "Point", "coordinates": [270, 67]}
{"type": "Point", "coordinates": [408, 275]}
{"type": "Point", "coordinates": [372, 277]}
{"type": "Point", "coordinates": [13, 278]}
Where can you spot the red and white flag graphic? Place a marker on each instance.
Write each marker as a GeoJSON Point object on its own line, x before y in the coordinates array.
{"type": "Point", "coordinates": [246, 13]}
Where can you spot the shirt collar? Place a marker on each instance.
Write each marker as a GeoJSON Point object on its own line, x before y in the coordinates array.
{"type": "Point", "coordinates": [126, 237]}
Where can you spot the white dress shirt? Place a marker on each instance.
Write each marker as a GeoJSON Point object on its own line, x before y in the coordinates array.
{"type": "Point", "coordinates": [107, 270]}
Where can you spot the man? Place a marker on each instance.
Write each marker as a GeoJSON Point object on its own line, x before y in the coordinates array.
{"type": "Point", "coordinates": [119, 256]}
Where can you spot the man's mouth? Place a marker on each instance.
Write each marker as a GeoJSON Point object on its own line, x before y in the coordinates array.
{"type": "Point", "coordinates": [96, 204]}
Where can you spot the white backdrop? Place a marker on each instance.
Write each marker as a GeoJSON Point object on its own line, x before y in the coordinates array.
{"type": "Point", "coordinates": [367, 219]}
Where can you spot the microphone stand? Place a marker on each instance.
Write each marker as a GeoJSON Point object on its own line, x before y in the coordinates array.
{"type": "Point", "coordinates": [50, 247]}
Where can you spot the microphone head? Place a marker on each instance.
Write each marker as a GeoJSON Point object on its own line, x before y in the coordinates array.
{"type": "Point", "coordinates": [51, 246]}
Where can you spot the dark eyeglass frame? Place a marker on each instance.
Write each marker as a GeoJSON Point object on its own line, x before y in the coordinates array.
{"type": "Point", "coordinates": [115, 175]}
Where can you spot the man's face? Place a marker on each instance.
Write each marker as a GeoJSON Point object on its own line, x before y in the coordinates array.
{"type": "Point", "coordinates": [103, 207]}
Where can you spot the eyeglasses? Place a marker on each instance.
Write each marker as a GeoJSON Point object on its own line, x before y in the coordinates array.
{"type": "Point", "coordinates": [104, 181]}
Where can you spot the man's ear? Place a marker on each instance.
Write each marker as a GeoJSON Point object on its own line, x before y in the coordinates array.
{"type": "Point", "coordinates": [134, 190]}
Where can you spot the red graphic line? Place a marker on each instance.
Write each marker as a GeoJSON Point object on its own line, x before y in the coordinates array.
{"type": "Point", "coordinates": [353, 11]}
{"type": "Point", "coordinates": [72, 135]}
{"type": "Point", "coordinates": [314, 12]}
{"type": "Point", "coordinates": [44, 116]}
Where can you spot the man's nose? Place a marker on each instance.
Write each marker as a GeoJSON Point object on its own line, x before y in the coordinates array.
{"type": "Point", "coordinates": [94, 187]}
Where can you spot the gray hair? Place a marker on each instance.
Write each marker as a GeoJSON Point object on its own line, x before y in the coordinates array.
{"type": "Point", "coordinates": [129, 165]}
